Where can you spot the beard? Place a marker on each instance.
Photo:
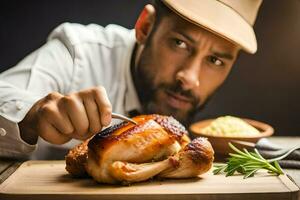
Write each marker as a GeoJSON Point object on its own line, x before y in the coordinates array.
{"type": "Point", "coordinates": [150, 93]}
{"type": "Point", "coordinates": [154, 104]}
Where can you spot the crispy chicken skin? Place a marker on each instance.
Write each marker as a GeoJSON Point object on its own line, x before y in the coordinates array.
{"type": "Point", "coordinates": [76, 159]}
{"type": "Point", "coordinates": [126, 153]}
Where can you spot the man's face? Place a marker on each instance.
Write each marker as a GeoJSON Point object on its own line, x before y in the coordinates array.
{"type": "Point", "coordinates": [180, 66]}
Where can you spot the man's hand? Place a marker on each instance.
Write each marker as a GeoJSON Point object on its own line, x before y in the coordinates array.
{"type": "Point", "coordinates": [58, 118]}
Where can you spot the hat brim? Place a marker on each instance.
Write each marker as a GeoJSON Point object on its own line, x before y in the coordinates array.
{"type": "Point", "coordinates": [217, 18]}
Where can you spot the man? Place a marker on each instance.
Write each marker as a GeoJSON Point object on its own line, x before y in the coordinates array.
{"type": "Point", "coordinates": [180, 52]}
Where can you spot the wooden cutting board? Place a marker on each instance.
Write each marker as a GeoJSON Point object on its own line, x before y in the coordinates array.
{"type": "Point", "coordinates": [49, 180]}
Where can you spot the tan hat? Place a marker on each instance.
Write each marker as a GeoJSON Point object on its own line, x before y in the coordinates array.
{"type": "Point", "coordinates": [230, 19]}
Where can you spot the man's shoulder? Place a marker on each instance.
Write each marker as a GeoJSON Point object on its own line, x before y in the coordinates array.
{"type": "Point", "coordinates": [73, 34]}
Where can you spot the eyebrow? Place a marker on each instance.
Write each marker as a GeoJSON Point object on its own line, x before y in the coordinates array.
{"type": "Point", "coordinates": [223, 55]}
{"type": "Point", "coordinates": [186, 36]}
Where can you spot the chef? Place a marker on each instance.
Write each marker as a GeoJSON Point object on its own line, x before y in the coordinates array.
{"type": "Point", "coordinates": [179, 53]}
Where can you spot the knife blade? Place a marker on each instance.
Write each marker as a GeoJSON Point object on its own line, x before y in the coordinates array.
{"type": "Point", "coordinates": [122, 117]}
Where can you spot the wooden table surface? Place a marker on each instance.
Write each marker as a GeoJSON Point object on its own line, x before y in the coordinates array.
{"type": "Point", "coordinates": [7, 167]}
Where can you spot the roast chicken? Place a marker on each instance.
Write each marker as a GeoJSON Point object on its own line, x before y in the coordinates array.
{"type": "Point", "coordinates": [158, 146]}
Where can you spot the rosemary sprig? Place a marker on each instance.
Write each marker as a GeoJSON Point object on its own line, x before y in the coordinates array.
{"type": "Point", "coordinates": [247, 163]}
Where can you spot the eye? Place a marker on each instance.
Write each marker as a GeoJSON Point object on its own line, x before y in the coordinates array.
{"type": "Point", "coordinates": [180, 44]}
{"type": "Point", "coordinates": [216, 61]}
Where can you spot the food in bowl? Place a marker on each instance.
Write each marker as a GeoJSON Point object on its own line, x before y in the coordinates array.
{"type": "Point", "coordinates": [230, 126]}
{"type": "Point", "coordinates": [220, 140]}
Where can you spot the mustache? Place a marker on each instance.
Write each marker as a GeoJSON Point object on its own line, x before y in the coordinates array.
{"type": "Point", "coordinates": [178, 89]}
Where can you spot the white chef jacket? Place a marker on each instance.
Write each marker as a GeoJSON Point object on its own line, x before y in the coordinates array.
{"type": "Point", "coordinates": [75, 57]}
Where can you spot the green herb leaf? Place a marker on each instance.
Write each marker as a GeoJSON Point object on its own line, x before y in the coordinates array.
{"type": "Point", "coordinates": [247, 163]}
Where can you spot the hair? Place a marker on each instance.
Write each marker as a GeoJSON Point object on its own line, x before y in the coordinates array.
{"type": "Point", "coordinates": [161, 11]}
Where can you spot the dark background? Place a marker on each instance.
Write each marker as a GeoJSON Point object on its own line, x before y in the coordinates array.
{"type": "Point", "coordinates": [263, 87]}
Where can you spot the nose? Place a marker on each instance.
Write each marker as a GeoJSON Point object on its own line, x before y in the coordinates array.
{"type": "Point", "coordinates": [189, 74]}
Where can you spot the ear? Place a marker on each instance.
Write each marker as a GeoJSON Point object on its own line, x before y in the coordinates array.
{"type": "Point", "coordinates": [144, 24]}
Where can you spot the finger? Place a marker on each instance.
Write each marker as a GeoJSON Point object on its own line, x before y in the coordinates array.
{"type": "Point", "coordinates": [57, 116]}
{"type": "Point", "coordinates": [49, 133]}
{"type": "Point", "coordinates": [83, 137]}
{"type": "Point", "coordinates": [103, 104]}
{"type": "Point", "coordinates": [93, 115]}
{"type": "Point", "coordinates": [77, 114]}
{"type": "Point", "coordinates": [63, 122]}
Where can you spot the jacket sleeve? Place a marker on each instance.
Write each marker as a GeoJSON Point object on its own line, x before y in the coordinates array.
{"type": "Point", "coordinates": [48, 69]}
